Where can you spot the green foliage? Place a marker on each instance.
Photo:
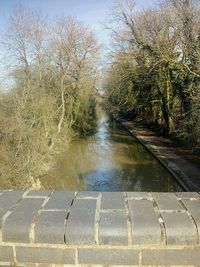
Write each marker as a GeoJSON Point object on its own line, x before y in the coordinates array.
{"type": "Point", "coordinates": [155, 73]}
{"type": "Point", "coordinates": [119, 86]}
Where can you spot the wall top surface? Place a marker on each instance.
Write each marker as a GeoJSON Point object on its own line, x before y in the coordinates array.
{"type": "Point", "coordinates": [100, 219]}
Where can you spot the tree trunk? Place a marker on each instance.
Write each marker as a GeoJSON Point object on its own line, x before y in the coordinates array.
{"type": "Point", "coordinates": [63, 103]}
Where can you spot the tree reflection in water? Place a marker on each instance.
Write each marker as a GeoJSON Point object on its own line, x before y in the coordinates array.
{"type": "Point", "coordinates": [110, 160]}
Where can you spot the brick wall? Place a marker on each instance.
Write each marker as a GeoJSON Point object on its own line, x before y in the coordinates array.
{"type": "Point", "coordinates": [57, 228]}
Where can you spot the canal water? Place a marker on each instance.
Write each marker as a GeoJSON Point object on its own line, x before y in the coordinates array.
{"type": "Point", "coordinates": [110, 160]}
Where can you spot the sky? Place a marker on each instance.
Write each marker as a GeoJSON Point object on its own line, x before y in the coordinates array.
{"type": "Point", "coordinates": [91, 12]}
{"type": "Point", "coordinates": [94, 13]}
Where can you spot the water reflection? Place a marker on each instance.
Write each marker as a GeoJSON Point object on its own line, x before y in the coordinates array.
{"type": "Point", "coordinates": [110, 160]}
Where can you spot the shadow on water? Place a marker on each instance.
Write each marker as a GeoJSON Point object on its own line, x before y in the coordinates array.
{"type": "Point", "coordinates": [110, 160]}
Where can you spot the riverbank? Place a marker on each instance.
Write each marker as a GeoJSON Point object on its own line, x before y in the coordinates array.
{"type": "Point", "coordinates": [184, 170]}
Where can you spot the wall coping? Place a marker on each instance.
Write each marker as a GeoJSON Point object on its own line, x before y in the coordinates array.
{"type": "Point", "coordinates": [119, 228]}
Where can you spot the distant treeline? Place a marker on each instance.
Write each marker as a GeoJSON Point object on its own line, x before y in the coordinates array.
{"type": "Point", "coordinates": [51, 95]}
{"type": "Point", "coordinates": [155, 69]}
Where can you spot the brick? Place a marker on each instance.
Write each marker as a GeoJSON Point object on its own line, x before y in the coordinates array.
{"type": "Point", "coordinates": [113, 228]}
{"type": "Point", "coordinates": [171, 257]}
{"type": "Point", "coordinates": [114, 200]}
{"type": "Point", "coordinates": [6, 254]}
{"type": "Point", "coordinates": [143, 195]}
{"type": "Point", "coordinates": [39, 193]}
{"type": "Point", "coordinates": [81, 221]}
{"type": "Point", "coordinates": [193, 207]}
{"type": "Point", "coordinates": [31, 265]}
{"type": "Point", "coordinates": [50, 227]}
{"type": "Point", "coordinates": [60, 200]}
{"type": "Point", "coordinates": [17, 225]}
{"type": "Point", "coordinates": [179, 229]}
{"type": "Point", "coordinates": [45, 255]}
{"type": "Point", "coordinates": [8, 200]}
{"type": "Point", "coordinates": [87, 194]}
{"type": "Point", "coordinates": [188, 195]}
{"type": "Point", "coordinates": [167, 201]}
{"type": "Point", "coordinates": [145, 225]}
{"type": "Point", "coordinates": [108, 256]}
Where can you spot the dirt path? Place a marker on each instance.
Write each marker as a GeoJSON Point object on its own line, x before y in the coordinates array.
{"type": "Point", "coordinates": [185, 171]}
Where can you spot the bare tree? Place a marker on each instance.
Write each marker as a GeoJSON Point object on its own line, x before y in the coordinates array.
{"type": "Point", "coordinates": [53, 81]}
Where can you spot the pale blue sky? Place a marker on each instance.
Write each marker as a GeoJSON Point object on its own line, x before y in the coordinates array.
{"type": "Point", "coordinates": [94, 13]}
{"type": "Point", "coordinates": [91, 12]}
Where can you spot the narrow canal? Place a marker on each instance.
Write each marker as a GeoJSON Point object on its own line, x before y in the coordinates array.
{"type": "Point", "coordinates": [110, 160]}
